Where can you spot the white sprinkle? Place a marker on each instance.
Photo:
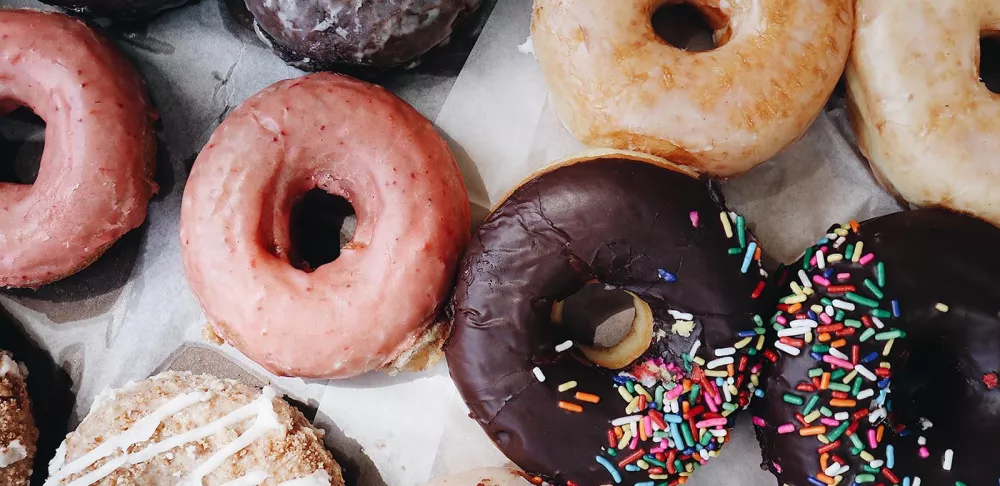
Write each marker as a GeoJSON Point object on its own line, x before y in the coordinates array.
{"type": "Point", "coordinates": [925, 424]}
{"type": "Point", "coordinates": [564, 346]}
{"type": "Point", "coordinates": [865, 372]}
{"type": "Point", "coordinates": [788, 349]}
{"type": "Point", "coordinates": [718, 432]}
{"type": "Point", "coordinates": [629, 419]}
{"type": "Point", "coordinates": [694, 347]}
{"type": "Point", "coordinates": [820, 259]}
{"type": "Point", "coordinates": [840, 304]}
{"type": "Point", "coordinates": [829, 310]}
{"type": "Point", "coordinates": [843, 470]}
{"type": "Point", "coordinates": [840, 241]}
{"type": "Point", "coordinates": [804, 278]}
{"type": "Point", "coordinates": [831, 470]}
{"type": "Point", "coordinates": [916, 481]}
{"type": "Point", "coordinates": [680, 316]}
{"type": "Point", "coordinates": [949, 455]}
{"type": "Point", "coordinates": [804, 323]}
{"type": "Point", "coordinates": [877, 415]}
{"type": "Point", "coordinates": [841, 416]}
{"type": "Point", "coordinates": [837, 353]}
{"type": "Point", "coordinates": [922, 440]}
{"type": "Point", "coordinates": [538, 374]}
{"type": "Point", "coordinates": [725, 351]}
{"type": "Point", "coordinates": [878, 322]}
{"type": "Point", "coordinates": [718, 363]}
{"type": "Point", "coordinates": [877, 463]}
{"type": "Point", "coordinates": [792, 331]}
{"type": "Point", "coordinates": [863, 394]}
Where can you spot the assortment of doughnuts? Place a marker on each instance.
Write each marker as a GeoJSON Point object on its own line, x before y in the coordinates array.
{"type": "Point", "coordinates": [546, 393]}
{"type": "Point", "coordinates": [888, 363]}
{"type": "Point", "coordinates": [611, 317]}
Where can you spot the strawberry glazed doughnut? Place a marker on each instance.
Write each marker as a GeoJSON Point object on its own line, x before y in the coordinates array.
{"type": "Point", "coordinates": [95, 177]}
{"type": "Point", "coordinates": [616, 83]}
{"type": "Point", "coordinates": [374, 306]}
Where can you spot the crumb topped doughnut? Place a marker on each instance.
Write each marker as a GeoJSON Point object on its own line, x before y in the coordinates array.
{"type": "Point", "coordinates": [889, 344]}
{"type": "Point", "coordinates": [18, 434]}
{"type": "Point", "coordinates": [334, 34]}
{"type": "Point", "coordinates": [616, 83]}
{"type": "Point", "coordinates": [182, 428]}
{"type": "Point", "coordinates": [635, 239]}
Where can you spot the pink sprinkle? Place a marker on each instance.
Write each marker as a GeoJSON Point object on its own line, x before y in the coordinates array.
{"type": "Point", "coordinates": [867, 258]}
{"type": "Point", "coordinates": [756, 368]}
{"type": "Point", "coordinates": [812, 261]}
{"type": "Point", "coordinates": [716, 422]}
{"type": "Point", "coordinates": [829, 422]}
{"type": "Point", "coordinates": [759, 422]}
{"type": "Point", "coordinates": [838, 362]}
{"type": "Point", "coordinates": [924, 453]}
{"type": "Point", "coordinates": [872, 439]}
{"type": "Point", "coordinates": [843, 277]}
{"type": "Point", "coordinates": [781, 320]}
{"type": "Point", "coordinates": [647, 423]}
{"type": "Point", "coordinates": [786, 429]}
{"type": "Point", "coordinates": [656, 450]}
{"type": "Point", "coordinates": [820, 280]}
{"type": "Point", "coordinates": [694, 218]}
{"type": "Point", "coordinates": [674, 392]}
{"type": "Point", "coordinates": [711, 405]}
{"type": "Point", "coordinates": [664, 444]}
{"type": "Point", "coordinates": [635, 442]}
{"type": "Point", "coordinates": [825, 318]}
{"type": "Point", "coordinates": [777, 467]}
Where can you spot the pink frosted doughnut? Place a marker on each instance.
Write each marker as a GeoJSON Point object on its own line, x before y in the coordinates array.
{"type": "Point", "coordinates": [373, 306]}
{"type": "Point", "coordinates": [95, 177]}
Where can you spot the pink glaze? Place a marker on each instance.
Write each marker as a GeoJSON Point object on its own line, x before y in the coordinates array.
{"type": "Point", "coordinates": [95, 178]}
{"type": "Point", "coordinates": [375, 301]}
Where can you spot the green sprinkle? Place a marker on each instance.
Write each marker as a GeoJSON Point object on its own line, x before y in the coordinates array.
{"type": "Point", "coordinates": [837, 374]}
{"type": "Point", "coordinates": [813, 400]}
{"type": "Point", "coordinates": [735, 251]}
{"type": "Point", "coordinates": [807, 257]}
{"type": "Point", "coordinates": [630, 386]}
{"type": "Point", "coordinates": [836, 433]}
{"type": "Point", "coordinates": [820, 348]}
{"type": "Point", "coordinates": [760, 331]}
{"type": "Point", "coordinates": [860, 299]}
{"type": "Point", "coordinates": [758, 321]}
{"type": "Point", "coordinates": [839, 315]}
{"type": "Point", "coordinates": [864, 478]}
{"type": "Point", "coordinates": [839, 387]}
{"type": "Point", "coordinates": [849, 252]}
{"type": "Point", "coordinates": [893, 334]}
{"type": "Point", "coordinates": [659, 393]}
{"type": "Point", "coordinates": [652, 460]}
{"type": "Point", "coordinates": [873, 289]}
{"type": "Point", "coordinates": [752, 351]}
{"type": "Point", "coordinates": [686, 432]}
{"type": "Point", "coordinates": [705, 439]}
{"type": "Point", "coordinates": [880, 274]}
{"type": "Point", "coordinates": [793, 399]}
{"type": "Point", "coordinates": [693, 396]}
{"type": "Point", "coordinates": [825, 411]}
{"type": "Point", "coordinates": [730, 407]}
{"type": "Point", "coordinates": [867, 334]}
{"type": "Point", "coordinates": [881, 314]}
{"type": "Point", "coordinates": [868, 469]}
{"type": "Point", "coordinates": [826, 301]}
{"type": "Point", "coordinates": [857, 444]}
{"type": "Point", "coordinates": [659, 434]}
{"type": "Point", "coordinates": [815, 372]}
{"type": "Point", "coordinates": [856, 388]}
{"type": "Point", "coordinates": [852, 323]}
{"type": "Point", "coordinates": [612, 452]}
{"type": "Point", "coordinates": [741, 231]}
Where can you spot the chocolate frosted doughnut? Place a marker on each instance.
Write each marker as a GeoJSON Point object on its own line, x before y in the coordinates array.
{"type": "Point", "coordinates": [123, 9]}
{"type": "Point", "coordinates": [889, 352]}
{"type": "Point", "coordinates": [333, 34]}
{"type": "Point", "coordinates": [630, 222]}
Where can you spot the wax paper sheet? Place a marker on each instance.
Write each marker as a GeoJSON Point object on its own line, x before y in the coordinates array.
{"type": "Point", "coordinates": [131, 312]}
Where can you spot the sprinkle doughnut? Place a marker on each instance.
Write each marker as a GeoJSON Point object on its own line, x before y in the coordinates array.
{"type": "Point", "coordinates": [18, 435]}
{"type": "Point", "coordinates": [197, 430]}
{"type": "Point", "coordinates": [923, 118]}
{"type": "Point", "coordinates": [488, 476]}
{"type": "Point", "coordinates": [334, 34]}
{"type": "Point", "coordinates": [889, 338]}
{"type": "Point", "coordinates": [95, 177]}
{"type": "Point", "coordinates": [542, 388]}
{"type": "Point", "coordinates": [616, 83]}
{"type": "Point", "coordinates": [372, 307]}
{"type": "Point", "coordinates": [120, 9]}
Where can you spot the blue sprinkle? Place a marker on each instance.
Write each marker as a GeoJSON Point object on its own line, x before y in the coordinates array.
{"type": "Point", "coordinates": [816, 356]}
{"type": "Point", "coordinates": [906, 481]}
{"type": "Point", "coordinates": [815, 481]}
{"type": "Point", "coordinates": [746, 334]}
{"type": "Point", "coordinates": [672, 418]}
{"type": "Point", "coordinates": [719, 381]}
{"type": "Point", "coordinates": [827, 273]}
{"type": "Point", "coordinates": [666, 276]}
{"type": "Point", "coordinates": [676, 432]}
{"type": "Point", "coordinates": [895, 308]}
{"type": "Point", "coordinates": [619, 379]}
{"type": "Point", "coordinates": [632, 468]}
{"type": "Point", "coordinates": [712, 446]}
{"type": "Point", "coordinates": [872, 356]}
{"type": "Point", "coordinates": [759, 392]}
{"type": "Point", "coordinates": [751, 248]}
{"type": "Point", "coordinates": [611, 469]}
{"type": "Point", "coordinates": [812, 315]}
{"type": "Point", "coordinates": [822, 241]}
{"type": "Point", "coordinates": [645, 483]}
{"type": "Point", "coordinates": [890, 456]}
{"type": "Point", "coordinates": [653, 406]}
{"type": "Point", "coordinates": [884, 382]}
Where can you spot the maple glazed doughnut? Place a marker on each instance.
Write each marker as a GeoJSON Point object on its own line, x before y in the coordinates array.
{"type": "Point", "coordinates": [374, 306]}
{"type": "Point", "coordinates": [566, 244]}
{"type": "Point", "coordinates": [95, 177]}
{"type": "Point", "coordinates": [889, 343]}
{"type": "Point", "coordinates": [923, 118]}
{"type": "Point", "coordinates": [616, 83]}
{"type": "Point", "coordinates": [193, 430]}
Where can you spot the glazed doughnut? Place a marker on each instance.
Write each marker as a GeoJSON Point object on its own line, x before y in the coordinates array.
{"type": "Point", "coordinates": [487, 476]}
{"type": "Point", "coordinates": [542, 388]}
{"type": "Point", "coordinates": [334, 34]}
{"type": "Point", "coordinates": [615, 83]}
{"type": "Point", "coordinates": [923, 118]}
{"type": "Point", "coordinates": [95, 177]}
{"type": "Point", "coordinates": [889, 353]}
{"type": "Point", "coordinates": [198, 429]}
{"type": "Point", "coordinates": [371, 308]}
{"type": "Point", "coordinates": [18, 435]}
{"type": "Point", "coordinates": [120, 9]}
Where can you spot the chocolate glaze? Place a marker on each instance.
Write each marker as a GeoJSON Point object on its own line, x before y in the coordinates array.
{"type": "Point", "coordinates": [940, 370]}
{"type": "Point", "coordinates": [344, 35]}
{"type": "Point", "coordinates": [619, 221]}
{"type": "Point", "coordinates": [120, 9]}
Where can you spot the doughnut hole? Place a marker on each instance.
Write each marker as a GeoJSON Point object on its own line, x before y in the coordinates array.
{"type": "Point", "coordinates": [611, 327]}
{"type": "Point", "coordinates": [695, 28]}
{"type": "Point", "coordinates": [989, 60]}
{"type": "Point", "coordinates": [321, 225]}
{"type": "Point", "coordinates": [22, 140]}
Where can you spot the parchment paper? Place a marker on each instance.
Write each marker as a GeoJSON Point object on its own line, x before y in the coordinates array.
{"type": "Point", "coordinates": [120, 319]}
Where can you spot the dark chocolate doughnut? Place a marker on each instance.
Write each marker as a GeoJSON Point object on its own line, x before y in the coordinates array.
{"type": "Point", "coordinates": [120, 9]}
{"type": "Point", "coordinates": [634, 223]}
{"type": "Point", "coordinates": [903, 363]}
{"type": "Point", "coordinates": [324, 35]}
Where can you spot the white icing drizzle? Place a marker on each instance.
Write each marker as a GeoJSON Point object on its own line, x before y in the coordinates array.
{"type": "Point", "coordinates": [14, 452]}
{"type": "Point", "coordinates": [262, 408]}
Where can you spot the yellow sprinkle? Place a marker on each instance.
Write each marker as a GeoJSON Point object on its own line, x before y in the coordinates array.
{"type": "Point", "coordinates": [836, 257]}
{"type": "Point", "coordinates": [808, 337]}
{"type": "Point", "coordinates": [816, 308]}
{"type": "Point", "coordinates": [857, 252]}
{"type": "Point", "coordinates": [742, 343]}
{"type": "Point", "coordinates": [569, 385]}
{"type": "Point", "coordinates": [642, 391]}
{"type": "Point", "coordinates": [625, 394]}
{"type": "Point", "coordinates": [659, 476]}
{"type": "Point", "coordinates": [812, 417]}
{"type": "Point", "coordinates": [824, 439]}
{"type": "Point", "coordinates": [840, 232]}
{"type": "Point", "coordinates": [632, 406]}
{"type": "Point", "coordinates": [760, 343]}
{"type": "Point", "coordinates": [642, 464]}
{"type": "Point", "coordinates": [725, 224]}
{"type": "Point", "coordinates": [796, 289]}
{"type": "Point", "coordinates": [808, 290]}
{"type": "Point", "coordinates": [699, 360]}
{"type": "Point", "coordinates": [888, 347]}
{"type": "Point", "coordinates": [850, 376]}
{"type": "Point", "coordinates": [867, 456]}
{"type": "Point", "coordinates": [626, 438]}
{"type": "Point", "coordinates": [755, 380]}
{"type": "Point", "coordinates": [795, 299]}
{"type": "Point", "coordinates": [884, 364]}
{"type": "Point", "coordinates": [733, 390]}
{"type": "Point", "coordinates": [941, 307]}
